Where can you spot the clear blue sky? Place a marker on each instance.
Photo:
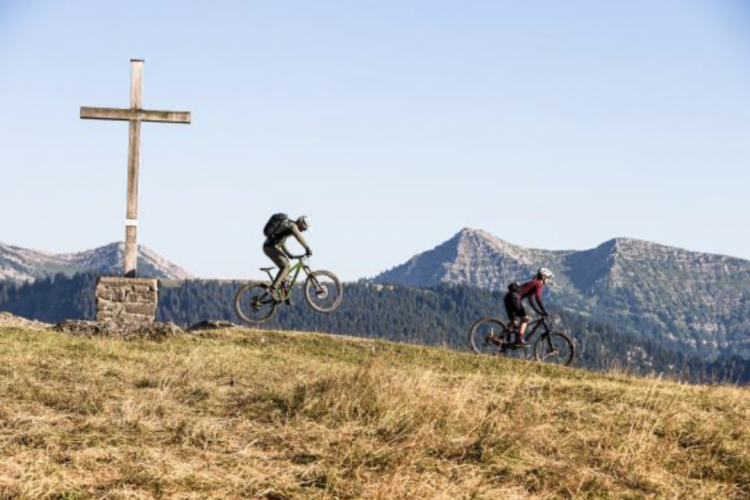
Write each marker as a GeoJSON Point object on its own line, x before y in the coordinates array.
{"type": "Point", "coordinates": [392, 124]}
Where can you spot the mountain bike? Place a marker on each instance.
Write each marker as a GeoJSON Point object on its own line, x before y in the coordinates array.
{"type": "Point", "coordinates": [254, 303]}
{"type": "Point", "coordinates": [492, 336]}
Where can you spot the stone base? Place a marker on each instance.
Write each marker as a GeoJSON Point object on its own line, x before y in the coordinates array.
{"type": "Point", "coordinates": [126, 300]}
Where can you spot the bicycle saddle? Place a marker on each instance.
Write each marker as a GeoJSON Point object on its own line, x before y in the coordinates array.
{"type": "Point", "coordinates": [267, 269]}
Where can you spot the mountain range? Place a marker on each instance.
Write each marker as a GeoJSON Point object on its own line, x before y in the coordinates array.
{"type": "Point", "coordinates": [697, 301]}
{"type": "Point", "coordinates": [691, 301]}
{"type": "Point", "coordinates": [24, 265]}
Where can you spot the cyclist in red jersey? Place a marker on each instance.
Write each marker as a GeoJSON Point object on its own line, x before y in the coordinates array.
{"type": "Point", "coordinates": [532, 291]}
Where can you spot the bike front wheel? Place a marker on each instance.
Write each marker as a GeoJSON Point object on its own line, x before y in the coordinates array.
{"type": "Point", "coordinates": [253, 303]}
{"type": "Point", "coordinates": [554, 347]}
{"type": "Point", "coordinates": [323, 291]}
{"type": "Point", "coordinates": [486, 335]}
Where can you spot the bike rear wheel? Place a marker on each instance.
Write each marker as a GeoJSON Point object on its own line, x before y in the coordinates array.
{"type": "Point", "coordinates": [486, 335]}
{"type": "Point", "coordinates": [554, 347]}
{"type": "Point", "coordinates": [323, 291]}
{"type": "Point", "coordinates": [253, 303]}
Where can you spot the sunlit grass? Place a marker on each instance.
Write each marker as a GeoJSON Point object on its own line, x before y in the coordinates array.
{"type": "Point", "coordinates": [257, 414]}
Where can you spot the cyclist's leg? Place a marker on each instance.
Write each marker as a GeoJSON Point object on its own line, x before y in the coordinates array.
{"type": "Point", "coordinates": [279, 258]}
{"type": "Point", "coordinates": [515, 309]}
{"type": "Point", "coordinates": [525, 320]}
{"type": "Point", "coordinates": [510, 310]}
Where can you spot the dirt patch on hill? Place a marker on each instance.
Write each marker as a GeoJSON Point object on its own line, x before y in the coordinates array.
{"type": "Point", "coordinates": [212, 325]}
{"type": "Point", "coordinates": [8, 320]}
{"type": "Point", "coordinates": [108, 329]}
{"type": "Point", "coordinates": [111, 329]}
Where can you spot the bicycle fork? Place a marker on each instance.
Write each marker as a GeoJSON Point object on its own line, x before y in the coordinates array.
{"type": "Point", "coordinates": [321, 291]}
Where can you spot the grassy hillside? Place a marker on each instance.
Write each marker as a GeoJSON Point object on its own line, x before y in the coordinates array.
{"type": "Point", "coordinates": [274, 415]}
{"type": "Point", "coordinates": [435, 316]}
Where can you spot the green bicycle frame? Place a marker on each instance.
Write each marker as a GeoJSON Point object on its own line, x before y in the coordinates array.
{"type": "Point", "coordinates": [291, 278]}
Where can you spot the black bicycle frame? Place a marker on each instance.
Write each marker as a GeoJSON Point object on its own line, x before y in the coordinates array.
{"type": "Point", "coordinates": [534, 325]}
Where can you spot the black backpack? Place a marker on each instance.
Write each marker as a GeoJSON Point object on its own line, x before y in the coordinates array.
{"type": "Point", "coordinates": [514, 287]}
{"type": "Point", "coordinates": [275, 225]}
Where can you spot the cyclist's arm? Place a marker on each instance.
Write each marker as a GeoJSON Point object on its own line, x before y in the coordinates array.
{"type": "Point", "coordinates": [297, 234]}
{"type": "Point", "coordinates": [282, 245]}
{"type": "Point", "coordinates": [537, 304]}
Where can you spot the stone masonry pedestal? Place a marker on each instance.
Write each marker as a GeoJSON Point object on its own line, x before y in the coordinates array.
{"type": "Point", "coordinates": [126, 300]}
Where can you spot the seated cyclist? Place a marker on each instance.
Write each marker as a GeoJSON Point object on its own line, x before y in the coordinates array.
{"type": "Point", "coordinates": [275, 247]}
{"type": "Point", "coordinates": [531, 290]}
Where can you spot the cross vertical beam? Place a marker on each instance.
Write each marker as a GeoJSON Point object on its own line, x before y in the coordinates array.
{"type": "Point", "coordinates": [134, 115]}
{"type": "Point", "coordinates": [134, 150]}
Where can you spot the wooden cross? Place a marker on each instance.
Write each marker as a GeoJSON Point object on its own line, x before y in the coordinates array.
{"type": "Point", "coordinates": [135, 115]}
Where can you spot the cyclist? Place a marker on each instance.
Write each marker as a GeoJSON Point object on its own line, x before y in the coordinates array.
{"type": "Point", "coordinates": [531, 290]}
{"type": "Point", "coordinates": [275, 248]}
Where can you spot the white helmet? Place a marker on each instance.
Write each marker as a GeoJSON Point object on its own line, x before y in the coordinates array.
{"type": "Point", "coordinates": [303, 222]}
{"type": "Point", "coordinates": [543, 272]}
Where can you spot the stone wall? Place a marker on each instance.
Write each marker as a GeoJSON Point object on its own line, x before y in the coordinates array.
{"type": "Point", "coordinates": [126, 300]}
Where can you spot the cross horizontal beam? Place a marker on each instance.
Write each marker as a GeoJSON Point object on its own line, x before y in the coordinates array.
{"type": "Point", "coordinates": [129, 114]}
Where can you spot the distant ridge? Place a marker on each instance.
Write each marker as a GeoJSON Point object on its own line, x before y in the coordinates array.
{"type": "Point", "coordinates": [24, 265]}
{"type": "Point", "coordinates": [471, 257]}
{"type": "Point", "coordinates": [699, 300]}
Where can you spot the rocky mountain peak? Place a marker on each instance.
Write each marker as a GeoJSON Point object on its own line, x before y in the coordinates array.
{"type": "Point", "coordinates": [474, 242]}
{"type": "Point", "coordinates": [632, 245]}
{"type": "Point", "coordinates": [473, 257]}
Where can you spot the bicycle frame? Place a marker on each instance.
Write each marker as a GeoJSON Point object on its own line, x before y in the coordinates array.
{"type": "Point", "coordinates": [532, 328]}
{"type": "Point", "coordinates": [294, 273]}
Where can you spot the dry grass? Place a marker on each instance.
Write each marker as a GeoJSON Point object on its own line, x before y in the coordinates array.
{"type": "Point", "coordinates": [275, 415]}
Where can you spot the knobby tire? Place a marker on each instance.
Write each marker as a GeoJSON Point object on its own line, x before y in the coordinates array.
{"type": "Point", "coordinates": [313, 293]}
{"type": "Point", "coordinates": [481, 345]}
{"type": "Point", "coordinates": [253, 303]}
{"type": "Point", "coordinates": [554, 347]}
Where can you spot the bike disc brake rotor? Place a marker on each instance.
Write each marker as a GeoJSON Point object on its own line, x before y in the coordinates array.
{"type": "Point", "coordinates": [256, 303]}
{"type": "Point", "coordinates": [493, 337]}
{"type": "Point", "coordinates": [322, 292]}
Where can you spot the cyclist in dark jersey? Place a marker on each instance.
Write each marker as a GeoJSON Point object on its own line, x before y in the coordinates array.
{"type": "Point", "coordinates": [531, 290]}
{"type": "Point", "coordinates": [275, 249]}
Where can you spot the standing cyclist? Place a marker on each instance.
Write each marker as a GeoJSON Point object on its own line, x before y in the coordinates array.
{"type": "Point", "coordinates": [278, 229]}
{"type": "Point", "coordinates": [531, 290]}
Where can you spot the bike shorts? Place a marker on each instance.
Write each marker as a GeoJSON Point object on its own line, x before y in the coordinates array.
{"type": "Point", "coordinates": [514, 306]}
{"type": "Point", "coordinates": [277, 256]}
